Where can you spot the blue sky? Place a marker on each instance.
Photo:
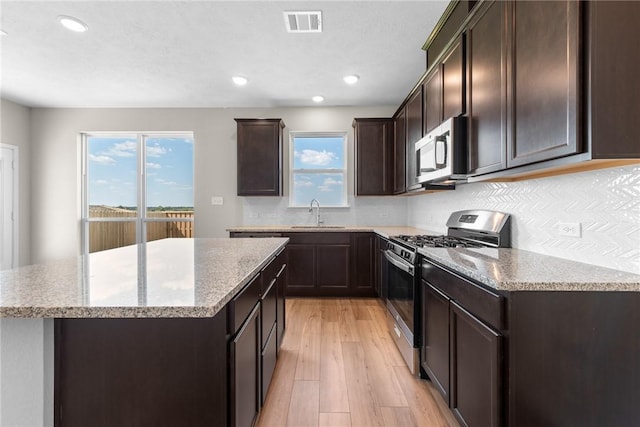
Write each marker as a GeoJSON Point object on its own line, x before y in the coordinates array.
{"type": "Point", "coordinates": [318, 154]}
{"type": "Point", "coordinates": [112, 171]}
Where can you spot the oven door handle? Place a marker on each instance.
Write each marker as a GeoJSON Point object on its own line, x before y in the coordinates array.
{"type": "Point", "coordinates": [399, 262]}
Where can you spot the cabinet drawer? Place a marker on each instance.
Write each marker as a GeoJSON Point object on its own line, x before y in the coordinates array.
{"type": "Point", "coordinates": [269, 355]}
{"type": "Point", "coordinates": [242, 304]}
{"type": "Point", "coordinates": [484, 304]}
{"type": "Point", "coordinates": [319, 238]}
{"type": "Point", "coordinates": [269, 309]}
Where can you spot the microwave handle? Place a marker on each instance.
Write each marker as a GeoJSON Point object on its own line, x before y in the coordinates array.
{"type": "Point", "coordinates": [441, 141]}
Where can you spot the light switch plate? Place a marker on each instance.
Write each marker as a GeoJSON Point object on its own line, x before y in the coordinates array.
{"type": "Point", "coordinates": [217, 200]}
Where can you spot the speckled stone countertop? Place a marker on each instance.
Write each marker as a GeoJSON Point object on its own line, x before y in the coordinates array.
{"type": "Point", "coordinates": [518, 270]}
{"type": "Point", "coordinates": [384, 231]}
{"type": "Point", "coordinates": [164, 278]}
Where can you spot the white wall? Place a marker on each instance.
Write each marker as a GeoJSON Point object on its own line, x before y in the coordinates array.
{"type": "Point", "coordinates": [606, 202]}
{"type": "Point", "coordinates": [55, 162]}
{"type": "Point", "coordinates": [15, 130]}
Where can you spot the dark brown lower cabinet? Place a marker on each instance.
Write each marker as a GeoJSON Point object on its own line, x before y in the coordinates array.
{"type": "Point", "coordinates": [476, 371]}
{"type": "Point", "coordinates": [269, 309]}
{"type": "Point", "coordinates": [531, 358]}
{"type": "Point", "coordinates": [245, 357]}
{"type": "Point", "coordinates": [435, 348]}
{"type": "Point", "coordinates": [332, 267]}
{"type": "Point", "coordinates": [268, 359]}
{"type": "Point", "coordinates": [141, 372]}
{"type": "Point", "coordinates": [330, 264]}
{"type": "Point", "coordinates": [281, 284]}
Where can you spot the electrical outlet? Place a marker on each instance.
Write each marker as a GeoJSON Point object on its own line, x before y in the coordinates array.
{"type": "Point", "coordinates": [217, 200]}
{"type": "Point", "coordinates": [571, 229]}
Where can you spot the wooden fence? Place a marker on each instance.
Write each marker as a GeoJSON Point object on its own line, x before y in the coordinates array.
{"type": "Point", "coordinates": [114, 234]}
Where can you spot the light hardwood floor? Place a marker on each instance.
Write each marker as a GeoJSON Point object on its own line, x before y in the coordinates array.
{"type": "Point", "coordinates": [339, 367]}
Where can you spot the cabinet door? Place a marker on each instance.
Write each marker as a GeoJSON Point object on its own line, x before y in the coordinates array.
{"type": "Point", "coordinates": [613, 35]}
{"type": "Point", "coordinates": [373, 144]}
{"type": "Point", "coordinates": [259, 157]}
{"type": "Point", "coordinates": [544, 81]}
{"type": "Point", "coordinates": [435, 339]}
{"type": "Point", "coordinates": [302, 267]}
{"type": "Point", "coordinates": [383, 273]}
{"type": "Point", "coordinates": [363, 272]}
{"type": "Point", "coordinates": [245, 372]}
{"type": "Point", "coordinates": [486, 90]}
{"type": "Point", "coordinates": [476, 377]}
{"type": "Point", "coordinates": [414, 133]}
{"type": "Point", "coordinates": [432, 90]}
{"type": "Point", "coordinates": [399, 152]}
{"type": "Point", "coordinates": [453, 81]}
{"type": "Point", "coordinates": [333, 266]}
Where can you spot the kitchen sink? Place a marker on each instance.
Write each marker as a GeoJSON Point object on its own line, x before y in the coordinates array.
{"type": "Point", "coordinates": [317, 226]}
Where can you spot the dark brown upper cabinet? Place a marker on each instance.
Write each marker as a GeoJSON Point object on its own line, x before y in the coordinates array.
{"type": "Point", "coordinates": [399, 152]}
{"type": "Point", "coordinates": [523, 84]}
{"type": "Point", "coordinates": [414, 133]}
{"type": "Point", "coordinates": [444, 86]}
{"type": "Point", "coordinates": [453, 81]}
{"type": "Point", "coordinates": [432, 91]}
{"type": "Point", "coordinates": [259, 157]}
{"type": "Point", "coordinates": [486, 91]}
{"type": "Point", "coordinates": [543, 80]}
{"type": "Point", "coordinates": [374, 154]}
{"type": "Point", "coordinates": [612, 76]}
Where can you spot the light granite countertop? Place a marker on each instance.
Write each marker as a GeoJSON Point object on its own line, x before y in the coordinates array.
{"type": "Point", "coordinates": [164, 278]}
{"type": "Point", "coordinates": [518, 270]}
{"type": "Point", "coordinates": [384, 231]}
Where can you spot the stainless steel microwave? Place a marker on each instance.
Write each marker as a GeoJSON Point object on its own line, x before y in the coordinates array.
{"type": "Point", "coordinates": [441, 154]}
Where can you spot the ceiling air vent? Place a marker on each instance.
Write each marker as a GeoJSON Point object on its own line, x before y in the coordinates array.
{"type": "Point", "coordinates": [303, 22]}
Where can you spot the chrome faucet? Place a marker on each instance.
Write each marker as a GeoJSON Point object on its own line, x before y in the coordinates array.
{"type": "Point", "coordinates": [318, 221]}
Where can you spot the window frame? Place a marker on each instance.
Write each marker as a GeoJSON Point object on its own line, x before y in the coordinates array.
{"type": "Point", "coordinates": [344, 170]}
{"type": "Point", "coordinates": [140, 219]}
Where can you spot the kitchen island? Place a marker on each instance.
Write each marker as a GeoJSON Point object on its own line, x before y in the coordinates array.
{"type": "Point", "coordinates": [141, 332]}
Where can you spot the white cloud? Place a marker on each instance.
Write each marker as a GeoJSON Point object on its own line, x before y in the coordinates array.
{"type": "Point", "coordinates": [162, 181]}
{"type": "Point", "coordinates": [103, 160]}
{"type": "Point", "coordinates": [151, 165]}
{"type": "Point", "coordinates": [101, 182]}
{"type": "Point", "coordinates": [315, 158]}
{"type": "Point", "coordinates": [332, 181]}
{"type": "Point", "coordinates": [328, 183]}
{"type": "Point", "coordinates": [156, 150]}
{"type": "Point", "coordinates": [122, 149]}
{"type": "Point", "coordinates": [303, 183]}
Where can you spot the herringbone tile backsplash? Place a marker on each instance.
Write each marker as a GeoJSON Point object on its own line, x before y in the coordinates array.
{"type": "Point", "coordinates": [606, 203]}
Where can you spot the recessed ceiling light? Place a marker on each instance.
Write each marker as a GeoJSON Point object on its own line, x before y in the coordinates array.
{"type": "Point", "coordinates": [239, 80]}
{"type": "Point", "coordinates": [351, 79]}
{"type": "Point", "coordinates": [73, 24]}
{"type": "Point", "coordinates": [3, 33]}
{"type": "Point", "coordinates": [318, 98]}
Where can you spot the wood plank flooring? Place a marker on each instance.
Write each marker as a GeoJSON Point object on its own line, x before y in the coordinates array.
{"type": "Point", "coordinates": [338, 367]}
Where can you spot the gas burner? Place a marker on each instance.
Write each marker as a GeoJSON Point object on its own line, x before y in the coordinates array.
{"type": "Point", "coordinates": [440, 241]}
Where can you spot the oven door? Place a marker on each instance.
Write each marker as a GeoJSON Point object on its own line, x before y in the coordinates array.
{"type": "Point", "coordinates": [401, 293]}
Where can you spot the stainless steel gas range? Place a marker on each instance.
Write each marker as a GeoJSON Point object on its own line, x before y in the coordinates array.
{"type": "Point", "coordinates": [469, 228]}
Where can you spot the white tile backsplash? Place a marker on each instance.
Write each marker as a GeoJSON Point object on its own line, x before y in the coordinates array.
{"type": "Point", "coordinates": [362, 211]}
{"type": "Point", "coordinates": [606, 202]}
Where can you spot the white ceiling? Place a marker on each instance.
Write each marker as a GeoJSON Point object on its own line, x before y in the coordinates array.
{"type": "Point", "coordinates": [183, 53]}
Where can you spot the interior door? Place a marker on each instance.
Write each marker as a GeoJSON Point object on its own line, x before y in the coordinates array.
{"type": "Point", "coordinates": [8, 232]}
